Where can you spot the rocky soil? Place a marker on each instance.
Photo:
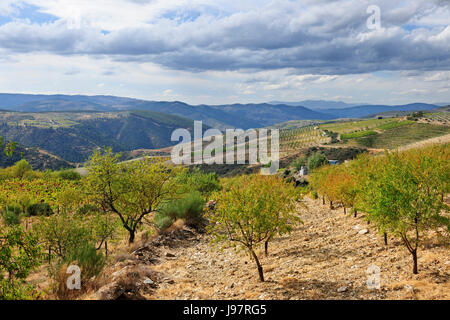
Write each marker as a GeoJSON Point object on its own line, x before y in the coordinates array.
{"type": "Point", "coordinates": [326, 257]}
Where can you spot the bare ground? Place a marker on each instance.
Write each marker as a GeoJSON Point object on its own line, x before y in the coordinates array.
{"type": "Point", "coordinates": [324, 258]}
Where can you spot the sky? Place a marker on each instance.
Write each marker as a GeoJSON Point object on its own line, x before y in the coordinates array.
{"type": "Point", "coordinates": [228, 51]}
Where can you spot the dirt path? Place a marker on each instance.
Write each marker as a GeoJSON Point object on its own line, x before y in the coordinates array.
{"type": "Point", "coordinates": [419, 144]}
{"type": "Point", "coordinates": [324, 258]}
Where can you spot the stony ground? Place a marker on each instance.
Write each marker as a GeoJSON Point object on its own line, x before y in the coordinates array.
{"type": "Point", "coordinates": [324, 258]}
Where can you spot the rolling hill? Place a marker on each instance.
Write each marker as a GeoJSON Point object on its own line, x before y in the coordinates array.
{"type": "Point", "coordinates": [243, 116]}
{"type": "Point", "coordinates": [73, 136]}
{"type": "Point", "coordinates": [37, 158]}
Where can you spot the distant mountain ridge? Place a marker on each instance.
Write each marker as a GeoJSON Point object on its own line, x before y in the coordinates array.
{"type": "Point", "coordinates": [74, 136]}
{"type": "Point", "coordinates": [243, 116]}
{"type": "Point", "coordinates": [319, 104]}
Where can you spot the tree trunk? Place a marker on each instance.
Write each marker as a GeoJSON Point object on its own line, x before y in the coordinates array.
{"type": "Point", "coordinates": [414, 254]}
{"type": "Point", "coordinates": [106, 248]}
{"type": "Point", "coordinates": [323, 200]}
{"type": "Point", "coordinates": [385, 239]}
{"type": "Point", "coordinates": [345, 210]}
{"type": "Point", "coordinates": [131, 239]}
{"type": "Point", "coordinates": [331, 205]}
{"type": "Point", "coordinates": [266, 248]}
{"type": "Point", "coordinates": [258, 264]}
{"type": "Point", "coordinates": [356, 213]}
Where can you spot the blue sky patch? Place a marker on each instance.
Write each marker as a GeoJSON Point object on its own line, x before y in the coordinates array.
{"type": "Point", "coordinates": [29, 12]}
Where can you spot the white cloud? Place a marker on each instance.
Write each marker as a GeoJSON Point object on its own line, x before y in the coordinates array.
{"type": "Point", "coordinates": [219, 50]}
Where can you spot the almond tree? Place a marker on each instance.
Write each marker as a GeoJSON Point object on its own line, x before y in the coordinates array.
{"type": "Point", "coordinates": [130, 190]}
{"type": "Point", "coordinates": [403, 194]}
{"type": "Point", "coordinates": [252, 210]}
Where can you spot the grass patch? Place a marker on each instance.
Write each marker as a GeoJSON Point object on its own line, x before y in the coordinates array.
{"type": "Point", "coordinates": [392, 125]}
{"type": "Point", "coordinates": [357, 134]}
{"type": "Point", "coordinates": [403, 135]}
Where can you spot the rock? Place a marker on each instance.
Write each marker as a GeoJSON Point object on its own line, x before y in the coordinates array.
{"type": "Point", "coordinates": [170, 255]}
{"type": "Point", "coordinates": [110, 291]}
{"type": "Point", "coordinates": [356, 227]}
{"type": "Point", "coordinates": [354, 267]}
{"type": "Point", "coordinates": [342, 289]}
{"type": "Point", "coordinates": [148, 281]}
{"type": "Point", "coordinates": [407, 287]}
{"type": "Point", "coordinates": [363, 231]}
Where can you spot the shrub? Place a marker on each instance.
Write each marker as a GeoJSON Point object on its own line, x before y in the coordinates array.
{"type": "Point", "coordinates": [20, 253]}
{"type": "Point", "coordinates": [39, 209]}
{"type": "Point", "coordinates": [62, 233]}
{"type": "Point", "coordinates": [299, 163]}
{"type": "Point", "coordinates": [190, 208]}
{"type": "Point", "coordinates": [162, 221]}
{"type": "Point", "coordinates": [69, 174]}
{"type": "Point", "coordinates": [90, 261]}
{"type": "Point", "coordinates": [87, 209]}
{"type": "Point", "coordinates": [11, 216]}
{"type": "Point", "coordinates": [314, 195]}
{"type": "Point", "coordinates": [20, 168]}
{"type": "Point", "coordinates": [205, 183]}
{"type": "Point", "coordinates": [317, 160]}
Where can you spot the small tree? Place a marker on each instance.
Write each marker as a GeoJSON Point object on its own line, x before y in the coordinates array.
{"type": "Point", "coordinates": [130, 190]}
{"type": "Point", "coordinates": [403, 194]}
{"type": "Point", "coordinates": [317, 160]}
{"type": "Point", "coordinates": [19, 254]}
{"type": "Point", "coordinates": [61, 233]}
{"type": "Point", "coordinates": [105, 228]}
{"type": "Point", "coordinates": [251, 210]}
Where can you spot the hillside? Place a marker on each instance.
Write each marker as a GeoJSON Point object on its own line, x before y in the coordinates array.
{"type": "Point", "coordinates": [243, 116]}
{"type": "Point", "coordinates": [38, 159]}
{"type": "Point", "coordinates": [366, 110]}
{"type": "Point", "coordinates": [74, 136]}
{"type": "Point", "coordinates": [324, 258]}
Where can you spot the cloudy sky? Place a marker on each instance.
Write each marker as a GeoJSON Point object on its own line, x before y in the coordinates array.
{"type": "Point", "coordinates": [225, 51]}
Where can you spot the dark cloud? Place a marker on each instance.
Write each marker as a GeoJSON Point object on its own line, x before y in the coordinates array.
{"type": "Point", "coordinates": [326, 38]}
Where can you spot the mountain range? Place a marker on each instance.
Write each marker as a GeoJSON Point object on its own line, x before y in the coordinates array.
{"type": "Point", "coordinates": [243, 116]}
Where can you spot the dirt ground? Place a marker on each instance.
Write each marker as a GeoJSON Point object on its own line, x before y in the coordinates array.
{"type": "Point", "coordinates": [326, 257]}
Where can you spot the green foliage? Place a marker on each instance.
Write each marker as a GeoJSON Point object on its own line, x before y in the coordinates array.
{"type": "Point", "coordinates": [395, 124]}
{"type": "Point", "coordinates": [105, 228]}
{"type": "Point", "coordinates": [11, 216]}
{"type": "Point", "coordinates": [20, 253]}
{"type": "Point", "coordinates": [358, 134]}
{"type": "Point", "coordinates": [162, 221]}
{"type": "Point", "coordinates": [299, 163]}
{"type": "Point", "coordinates": [130, 190]}
{"type": "Point", "coordinates": [39, 209]}
{"type": "Point", "coordinates": [317, 160]}
{"type": "Point", "coordinates": [195, 180]}
{"type": "Point", "coordinates": [69, 174]}
{"type": "Point", "coordinates": [20, 169]}
{"type": "Point", "coordinates": [403, 135]}
{"type": "Point", "coordinates": [90, 261]}
{"type": "Point", "coordinates": [190, 208]}
{"type": "Point", "coordinates": [63, 233]}
{"type": "Point", "coordinates": [401, 192]}
{"type": "Point", "coordinates": [88, 209]}
{"type": "Point", "coordinates": [251, 210]}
